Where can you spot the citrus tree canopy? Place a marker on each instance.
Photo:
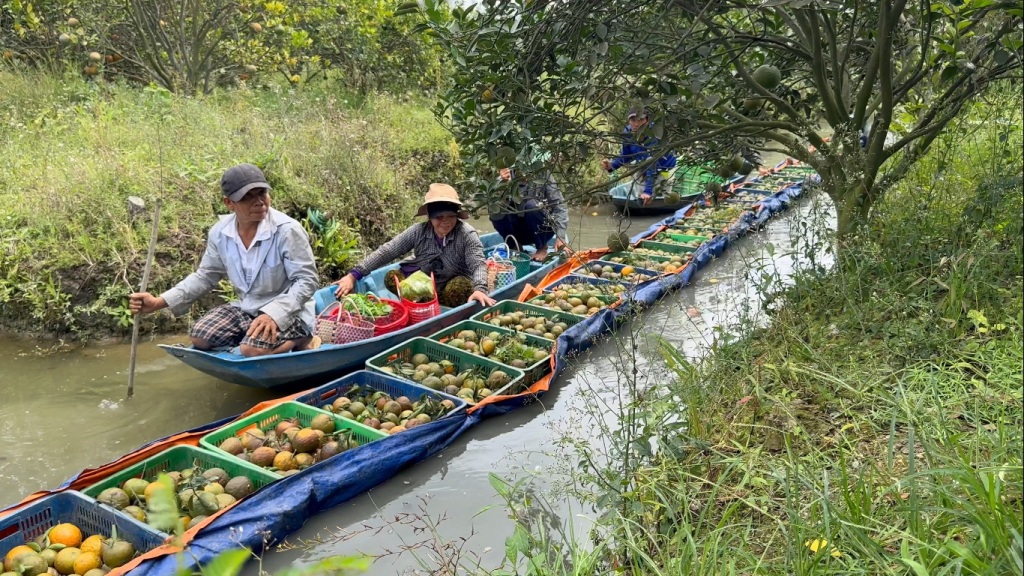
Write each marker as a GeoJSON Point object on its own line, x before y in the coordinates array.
{"type": "Point", "coordinates": [857, 89]}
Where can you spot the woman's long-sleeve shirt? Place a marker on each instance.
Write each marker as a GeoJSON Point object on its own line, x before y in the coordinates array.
{"type": "Point", "coordinates": [460, 253]}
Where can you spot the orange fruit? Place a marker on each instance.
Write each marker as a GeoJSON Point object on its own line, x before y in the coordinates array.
{"type": "Point", "coordinates": [87, 561]}
{"type": "Point", "coordinates": [93, 544]}
{"type": "Point", "coordinates": [488, 347]}
{"type": "Point", "coordinates": [66, 534]}
{"type": "Point", "coordinates": [153, 488]}
{"type": "Point", "coordinates": [9, 558]}
{"type": "Point", "coordinates": [65, 561]}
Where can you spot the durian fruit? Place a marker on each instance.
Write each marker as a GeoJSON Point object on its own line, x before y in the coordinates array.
{"type": "Point", "coordinates": [456, 292]}
{"type": "Point", "coordinates": [392, 278]}
{"type": "Point", "coordinates": [618, 242]}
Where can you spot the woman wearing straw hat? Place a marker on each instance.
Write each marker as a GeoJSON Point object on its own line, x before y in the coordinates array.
{"type": "Point", "coordinates": [443, 245]}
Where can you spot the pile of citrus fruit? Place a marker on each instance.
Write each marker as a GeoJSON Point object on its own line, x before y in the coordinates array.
{"type": "Point", "coordinates": [196, 492]}
{"type": "Point", "coordinates": [64, 549]}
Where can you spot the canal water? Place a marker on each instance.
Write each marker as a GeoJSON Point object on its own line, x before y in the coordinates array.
{"type": "Point", "coordinates": [65, 410]}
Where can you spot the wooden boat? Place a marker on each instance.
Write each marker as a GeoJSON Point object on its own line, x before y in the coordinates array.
{"type": "Point", "coordinates": [331, 361]}
{"type": "Point", "coordinates": [688, 182]}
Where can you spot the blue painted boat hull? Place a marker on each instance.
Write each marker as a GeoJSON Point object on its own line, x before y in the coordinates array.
{"type": "Point", "coordinates": [332, 361]}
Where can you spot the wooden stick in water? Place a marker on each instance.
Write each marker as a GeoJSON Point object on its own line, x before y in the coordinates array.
{"type": "Point", "coordinates": [145, 283]}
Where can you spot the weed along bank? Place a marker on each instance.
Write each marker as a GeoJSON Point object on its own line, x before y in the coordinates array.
{"type": "Point", "coordinates": [233, 482]}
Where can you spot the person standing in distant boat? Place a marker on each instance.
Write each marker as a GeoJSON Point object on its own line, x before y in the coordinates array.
{"type": "Point", "coordinates": [637, 143]}
{"type": "Point", "coordinates": [266, 256]}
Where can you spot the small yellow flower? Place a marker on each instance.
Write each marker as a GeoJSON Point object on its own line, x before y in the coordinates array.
{"type": "Point", "coordinates": [820, 543]}
{"type": "Point", "coordinates": [296, 79]}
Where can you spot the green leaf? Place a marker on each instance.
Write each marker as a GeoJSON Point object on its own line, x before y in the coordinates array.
{"type": "Point", "coordinates": [407, 8]}
{"type": "Point", "coordinates": [503, 488]}
{"type": "Point", "coordinates": [331, 565]}
{"type": "Point", "coordinates": [228, 563]}
{"type": "Point", "coordinates": [517, 543]}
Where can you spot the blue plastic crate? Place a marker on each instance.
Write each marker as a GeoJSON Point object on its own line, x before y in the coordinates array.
{"type": "Point", "coordinates": [328, 393]}
{"type": "Point", "coordinates": [91, 517]}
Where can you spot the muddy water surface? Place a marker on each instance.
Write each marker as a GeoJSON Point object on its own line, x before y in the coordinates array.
{"type": "Point", "coordinates": [407, 521]}
{"type": "Point", "coordinates": [65, 410]}
{"type": "Point", "coordinates": [62, 412]}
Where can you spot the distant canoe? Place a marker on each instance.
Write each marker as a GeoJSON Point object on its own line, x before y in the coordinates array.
{"type": "Point", "coordinates": [688, 182]}
{"type": "Point", "coordinates": [331, 361]}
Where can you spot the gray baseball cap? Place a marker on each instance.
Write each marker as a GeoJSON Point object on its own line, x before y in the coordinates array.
{"type": "Point", "coordinates": [638, 111]}
{"type": "Point", "coordinates": [238, 180]}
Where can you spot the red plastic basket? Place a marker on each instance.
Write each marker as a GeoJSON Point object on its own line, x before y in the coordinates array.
{"type": "Point", "coordinates": [397, 320]}
{"type": "Point", "coordinates": [418, 312]}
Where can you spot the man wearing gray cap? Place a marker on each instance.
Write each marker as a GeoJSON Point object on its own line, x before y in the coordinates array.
{"type": "Point", "coordinates": [266, 256]}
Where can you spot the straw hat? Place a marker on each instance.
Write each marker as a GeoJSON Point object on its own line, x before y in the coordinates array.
{"type": "Point", "coordinates": [442, 193]}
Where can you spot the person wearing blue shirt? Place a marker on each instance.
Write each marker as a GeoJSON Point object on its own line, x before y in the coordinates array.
{"type": "Point", "coordinates": [636, 145]}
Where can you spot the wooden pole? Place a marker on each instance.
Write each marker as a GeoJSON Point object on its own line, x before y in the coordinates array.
{"type": "Point", "coordinates": [145, 282]}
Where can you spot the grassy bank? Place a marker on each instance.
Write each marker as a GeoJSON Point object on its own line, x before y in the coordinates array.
{"type": "Point", "coordinates": [873, 427]}
{"type": "Point", "coordinates": [72, 152]}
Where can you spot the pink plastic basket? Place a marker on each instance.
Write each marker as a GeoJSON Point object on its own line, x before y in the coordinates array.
{"type": "Point", "coordinates": [336, 326]}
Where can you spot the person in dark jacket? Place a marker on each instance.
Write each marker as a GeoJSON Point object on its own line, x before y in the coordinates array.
{"type": "Point", "coordinates": [539, 216]}
{"type": "Point", "coordinates": [637, 141]}
{"type": "Point", "coordinates": [443, 245]}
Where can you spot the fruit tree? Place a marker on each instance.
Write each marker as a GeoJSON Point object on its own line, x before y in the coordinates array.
{"type": "Point", "coordinates": [857, 89]}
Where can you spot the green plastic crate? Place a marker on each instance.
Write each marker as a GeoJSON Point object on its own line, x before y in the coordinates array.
{"type": "Point", "coordinates": [506, 306]}
{"type": "Point", "coordinates": [690, 180]}
{"type": "Point", "coordinates": [266, 420]}
{"type": "Point", "coordinates": [532, 372]}
{"type": "Point", "coordinates": [179, 458]}
{"type": "Point", "coordinates": [635, 259]}
{"type": "Point", "coordinates": [686, 237]}
{"type": "Point", "coordinates": [685, 224]}
{"type": "Point", "coordinates": [583, 270]}
{"type": "Point", "coordinates": [460, 359]}
{"type": "Point", "coordinates": [681, 238]}
{"type": "Point", "coordinates": [683, 251]}
{"type": "Point", "coordinates": [608, 300]}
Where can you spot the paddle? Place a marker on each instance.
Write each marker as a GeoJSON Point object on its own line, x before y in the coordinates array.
{"type": "Point", "coordinates": [142, 288]}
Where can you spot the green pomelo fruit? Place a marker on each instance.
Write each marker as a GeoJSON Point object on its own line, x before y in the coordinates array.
{"type": "Point", "coordinates": [767, 76]}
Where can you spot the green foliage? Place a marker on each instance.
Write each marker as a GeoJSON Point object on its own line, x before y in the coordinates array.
{"type": "Point", "coordinates": [72, 152]}
{"type": "Point", "coordinates": [874, 427]}
{"type": "Point", "coordinates": [334, 247]}
{"type": "Point", "coordinates": [552, 80]}
{"type": "Point", "coordinates": [194, 46]}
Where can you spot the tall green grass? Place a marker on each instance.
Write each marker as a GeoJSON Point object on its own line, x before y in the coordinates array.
{"type": "Point", "coordinates": [875, 426]}
{"type": "Point", "coordinates": [72, 152]}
